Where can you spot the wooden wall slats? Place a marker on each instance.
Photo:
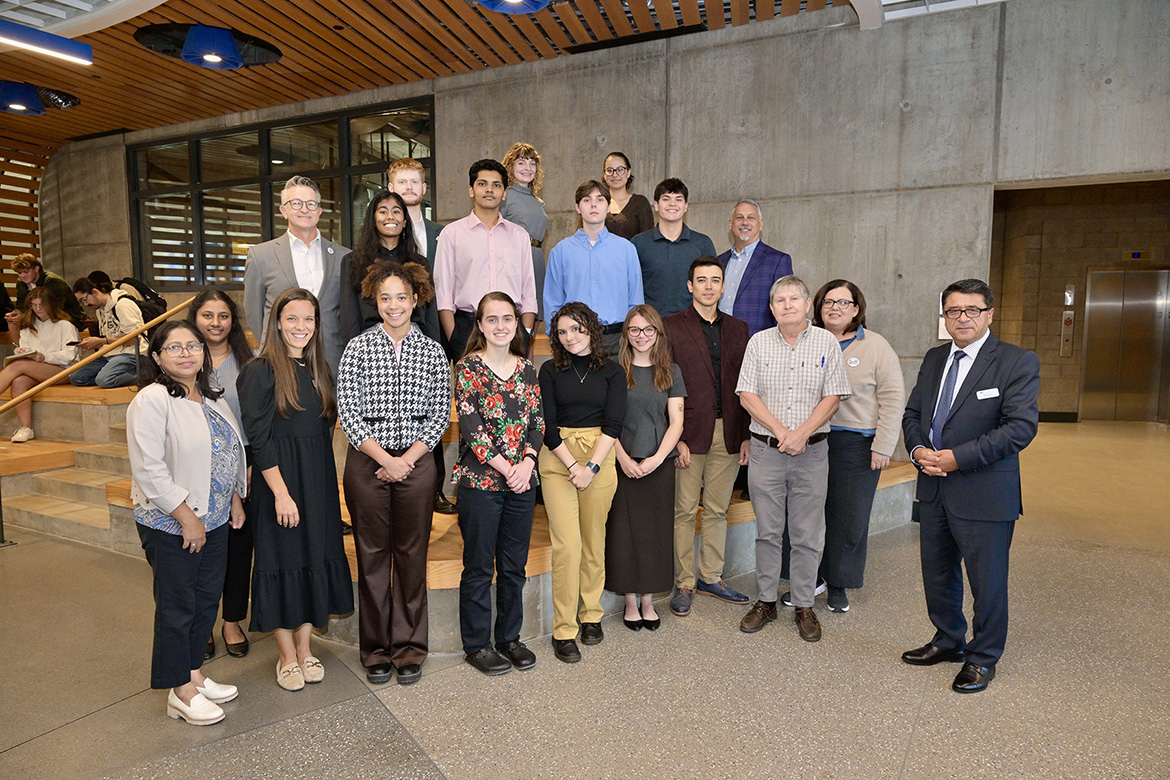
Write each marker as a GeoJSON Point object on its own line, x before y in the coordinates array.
{"type": "Point", "coordinates": [690, 12]}
{"type": "Point", "coordinates": [715, 15]}
{"type": "Point", "coordinates": [552, 28]}
{"type": "Point", "coordinates": [404, 47]}
{"type": "Point", "coordinates": [535, 36]}
{"type": "Point", "coordinates": [789, 7]}
{"type": "Point", "coordinates": [643, 20]}
{"type": "Point", "coordinates": [480, 28]}
{"type": "Point", "coordinates": [765, 9]}
{"type": "Point", "coordinates": [814, 5]}
{"type": "Point", "coordinates": [503, 25]}
{"type": "Point", "coordinates": [433, 17]}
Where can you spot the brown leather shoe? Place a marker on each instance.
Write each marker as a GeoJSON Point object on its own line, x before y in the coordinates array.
{"type": "Point", "coordinates": [807, 624]}
{"type": "Point", "coordinates": [757, 617]}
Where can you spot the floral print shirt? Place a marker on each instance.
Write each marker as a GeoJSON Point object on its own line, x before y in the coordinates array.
{"type": "Point", "coordinates": [496, 417]}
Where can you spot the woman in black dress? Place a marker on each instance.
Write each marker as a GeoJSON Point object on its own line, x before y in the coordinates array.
{"type": "Point", "coordinates": [301, 575]}
{"type": "Point", "coordinates": [639, 535]}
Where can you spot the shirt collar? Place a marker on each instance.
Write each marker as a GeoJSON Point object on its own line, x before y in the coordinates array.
{"type": "Point", "coordinates": [581, 235]}
{"type": "Point", "coordinates": [971, 350]}
{"type": "Point", "coordinates": [747, 250]}
{"type": "Point", "coordinates": [860, 332]}
{"type": "Point", "coordinates": [685, 235]}
{"type": "Point", "coordinates": [294, 240]}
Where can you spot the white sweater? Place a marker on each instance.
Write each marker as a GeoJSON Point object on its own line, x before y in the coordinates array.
{"type": "Point", "coordinates": [50, 339]}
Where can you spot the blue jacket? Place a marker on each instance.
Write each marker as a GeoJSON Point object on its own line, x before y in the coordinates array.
{"type": "Point", "coordinates": [751, 302]}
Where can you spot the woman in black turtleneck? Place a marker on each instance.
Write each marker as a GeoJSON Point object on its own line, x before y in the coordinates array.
{"type": "Point", "coordinates": [584, 396]}
{"type": "Point", "coordinates": [386, 234]}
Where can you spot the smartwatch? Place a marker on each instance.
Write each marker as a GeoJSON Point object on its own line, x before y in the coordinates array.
{"type": "Point", "coordinates": [593, 467]}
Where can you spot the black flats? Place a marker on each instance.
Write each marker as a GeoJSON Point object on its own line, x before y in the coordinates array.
{"type": "Point", "coordinates": [235, 649]}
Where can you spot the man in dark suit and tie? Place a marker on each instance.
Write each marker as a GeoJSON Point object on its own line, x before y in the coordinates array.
{"type": "Point", "coordinates": [708, 347]}
{"type": "Point", "coordinates": [750, 268]}
{"type": "Point", "coordinates": [972, 410]}
{"type": "Point", "coordinates": [302, 257]}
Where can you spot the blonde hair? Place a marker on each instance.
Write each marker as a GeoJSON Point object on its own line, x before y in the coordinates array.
{"type": "Point", "coordinates": [519, 150]}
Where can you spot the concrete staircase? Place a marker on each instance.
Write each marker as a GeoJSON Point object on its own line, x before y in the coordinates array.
{"type": "Point", "coordinates": [59, 485]}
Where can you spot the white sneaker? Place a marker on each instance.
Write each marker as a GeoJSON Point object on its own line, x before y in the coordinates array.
{"type": "Point", "coordinates": [200, 712]}
{"type": "Point", "coordinates": [217, 693]}
{"type": "Point", "coordinates": [22, 435]}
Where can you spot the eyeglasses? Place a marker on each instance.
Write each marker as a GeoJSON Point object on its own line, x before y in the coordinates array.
{"type": "Point", "coordinates": [647, 331]}
{"type": "Point", "coordinates": [297, 205]}
{"type": "Point", "coordinates": [616, 171]}
{"type": "Point", "coordinates": [972, 312]}
{"type": "Point", "coordinates": [174, 350]}
{"type": "Point", "coordinates": [829, 303]}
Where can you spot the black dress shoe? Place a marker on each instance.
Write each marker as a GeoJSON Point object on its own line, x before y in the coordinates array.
{"type": "Point", "coordinates": [744, 495]}
{"type": "Point", "coordinates": [235, 649]}
{"type": "Point", "coordinates": [209, 651]}
{"type": "Point", "coordinates": [929, 655]}
{"type": "Point", "coordinates": [489, 662]}
{"type": "Point", "coordinates": [973, 678]}
{"type": "Point", "coordinates": [591, 634]}
{"type": "Point", "coordinates": [409, 674]}
{"type": "Point", "coordinates": [566, 650]}
{"type": "Point", "coordinates": [633, 625]}
{"type": "Point", "coordinates": [652, 625]}
{"type": "Point", "coordinates": [379, 674]}
{"type": "Point", "coordinates": [443, 506]}
{"type": "Point", "coordinates": [521, 657]}
{"type": "Point", "coordinates": [346, 529]}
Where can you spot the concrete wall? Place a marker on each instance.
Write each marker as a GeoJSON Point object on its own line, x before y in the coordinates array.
{"type": "Point", "coordinates": [875, 154]}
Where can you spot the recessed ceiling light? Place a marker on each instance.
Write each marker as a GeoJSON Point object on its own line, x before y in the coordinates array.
{"type": "Point", "coordinates": [212, 58]}
{"type": "Point", "coordinates": [17, 107]}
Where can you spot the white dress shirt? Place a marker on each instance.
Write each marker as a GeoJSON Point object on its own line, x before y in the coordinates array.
{"type": "Point", "coordinates": [420, 236]}
{"type": "Point", "coordinates": [307, 262]}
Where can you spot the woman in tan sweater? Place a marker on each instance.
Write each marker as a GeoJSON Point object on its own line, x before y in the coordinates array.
{"type": "Point", "coordinates": [863, 436]}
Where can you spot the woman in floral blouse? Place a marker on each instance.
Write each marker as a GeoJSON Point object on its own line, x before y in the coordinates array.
{"type": "Point", "coordinates": [501, 429]}
{"type": "Point", "coordinates": [394, 403]}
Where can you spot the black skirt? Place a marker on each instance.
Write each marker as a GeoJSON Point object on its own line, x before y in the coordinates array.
{"type": "Point", "coordinates": [639, 534]}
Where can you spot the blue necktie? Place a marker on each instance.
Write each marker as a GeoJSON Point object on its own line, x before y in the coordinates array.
{"type": "Point", "coordinates": [944, 402]}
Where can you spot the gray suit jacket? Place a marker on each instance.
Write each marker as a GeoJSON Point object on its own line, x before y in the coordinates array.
{"type": "Point", "coordinates": [269, 272]}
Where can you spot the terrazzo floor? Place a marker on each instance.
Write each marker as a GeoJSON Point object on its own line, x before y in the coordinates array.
{"type": "Point", "coordinates": [1082, 690]}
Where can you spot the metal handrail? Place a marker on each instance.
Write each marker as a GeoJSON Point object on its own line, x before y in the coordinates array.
{"type": "Point", "coordinates": [134, 334]}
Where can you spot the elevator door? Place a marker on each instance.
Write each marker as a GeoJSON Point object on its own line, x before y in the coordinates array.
{"type": "Point", "coordinates": [1125, 345]}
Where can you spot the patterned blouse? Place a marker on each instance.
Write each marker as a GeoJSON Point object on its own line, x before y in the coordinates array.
{"type": "Point", "coordinates": [225, 465]}
{"type": "Point", "coordinates": [394, 399]}
{"type": "Point", "coordinates": [496, 417]}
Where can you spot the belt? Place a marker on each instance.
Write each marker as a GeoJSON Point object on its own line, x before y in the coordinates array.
{"type": "Point", "coordinates": [609, 330]}
{"type": "Point", "coordinates": [773, 442]}
{"type": "Point", "coordinates": [536, 243]}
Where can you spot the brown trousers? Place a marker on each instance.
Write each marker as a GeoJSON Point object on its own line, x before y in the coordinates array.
{"type": "Point", "coordinates": [391, 530]}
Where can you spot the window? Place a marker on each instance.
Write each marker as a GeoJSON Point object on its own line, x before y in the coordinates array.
{"type": "Point", "coordinates": [201, 202]}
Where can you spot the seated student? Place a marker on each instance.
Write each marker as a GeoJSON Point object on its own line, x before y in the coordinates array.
{"type": "Point", "coordinates": [45, 336]}
{"type": "Point", "coordinates": [594, 267]}
{"type": "Point", "coordinates": [116, 317]}
{"type": "Point", "coordinates": [33, 275]}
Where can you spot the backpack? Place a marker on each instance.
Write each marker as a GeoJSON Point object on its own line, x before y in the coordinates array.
{"type": "Point", "coordinates": [144, 309]}
{"type": "Point", "coordinates": [152, 304]}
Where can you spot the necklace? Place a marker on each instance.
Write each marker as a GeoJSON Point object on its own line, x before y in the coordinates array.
{"type": "Point", "coordinates": [580, 378]}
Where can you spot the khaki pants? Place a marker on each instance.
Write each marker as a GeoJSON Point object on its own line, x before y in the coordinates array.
{"type": "Point", "coordinates": [576, 524]}
{"type": "Point", "coordinates": [714, 474]}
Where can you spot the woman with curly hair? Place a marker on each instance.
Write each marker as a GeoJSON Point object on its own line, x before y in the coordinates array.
{"type": "Point", "coordinates": [301, 575]}
{"type": "Point", "coordinates": [394, 400]}
{"type": "Point", "coordinates": [639, 537]}
{"type": "Point", "coordinates": [501, 430]}
{"type": "Point", "coordinates": [584, 395]}
{"type": "Point", "coordinates": [524, 206]}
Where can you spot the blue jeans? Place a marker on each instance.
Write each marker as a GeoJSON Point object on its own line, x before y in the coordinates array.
{"type": "Point", "coordinates": [116, 371]}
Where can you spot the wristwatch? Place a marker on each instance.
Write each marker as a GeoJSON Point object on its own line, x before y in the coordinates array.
{"type": "Point", "coordinates": [593, 467]}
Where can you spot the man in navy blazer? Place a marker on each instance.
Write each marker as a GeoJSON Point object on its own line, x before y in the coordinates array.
{"type": "Point", "coordinates": [750, 268]}
{"type": "Point", "coordinates": [972, 410]}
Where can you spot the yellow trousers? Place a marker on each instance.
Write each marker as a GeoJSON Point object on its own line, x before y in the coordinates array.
{"type": "Point", "coordinates": [576, 524]}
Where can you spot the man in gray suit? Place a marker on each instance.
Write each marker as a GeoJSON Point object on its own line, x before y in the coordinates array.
{"type": "Point", "coordinates": [302, 257]}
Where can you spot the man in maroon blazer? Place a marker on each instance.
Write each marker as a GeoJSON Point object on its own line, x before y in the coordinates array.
{"type": "Point", "coordinates": [708, 347]}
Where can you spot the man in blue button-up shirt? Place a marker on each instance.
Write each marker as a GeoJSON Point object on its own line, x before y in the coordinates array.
{"type": "Point", "coordinates": [595, 267]}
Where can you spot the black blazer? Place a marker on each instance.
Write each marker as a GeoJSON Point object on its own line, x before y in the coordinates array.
{"type": "Point", "coordinates": [994, 416]}
{"type": "Point", "coordinates": [694, 360]}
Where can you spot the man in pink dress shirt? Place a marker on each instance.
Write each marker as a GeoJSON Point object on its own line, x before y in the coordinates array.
{"type": "Point", "coordinates": [482, 253]}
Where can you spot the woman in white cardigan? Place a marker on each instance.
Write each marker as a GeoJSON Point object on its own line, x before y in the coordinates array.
{"type": "Point", "coordinates": [187, 461]}
{"type": "Point", "coordinates": [46, 335]}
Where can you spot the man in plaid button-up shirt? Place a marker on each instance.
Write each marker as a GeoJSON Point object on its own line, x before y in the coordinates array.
{"type": "Point", "coordinates": [791, 382]}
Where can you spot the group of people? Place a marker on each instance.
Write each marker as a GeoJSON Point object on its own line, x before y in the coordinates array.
{"type": "Point", "coordinates": [672, 369]}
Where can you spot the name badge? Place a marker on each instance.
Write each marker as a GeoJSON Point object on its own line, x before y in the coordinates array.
{"type": "Point", "coordinates": [853, 362]}
{"type": "Point", "coordinates": [991, 392]}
